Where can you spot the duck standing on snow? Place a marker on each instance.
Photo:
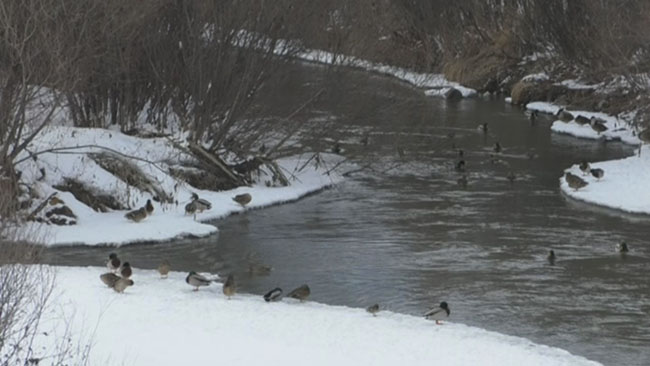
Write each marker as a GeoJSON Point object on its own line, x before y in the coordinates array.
{"type": "Point", "coordinates": [438, 313]}
{"type": "Point", "coordinates": [301, 293]}
{"type": "Point", "coordinates": [113, 263]}
{"type": "Point", "coordinates": [584, 166]}
{"type": "Point", "coordinates": [149, 208]}
{"type": "Point", "coordinates": [136, 215]}
{"type": "Point", "coordinates": [243, 199]}
{"type": "Point", "coordinates": [229, 288]}
{"type": "Point", "coordinates": [551, 257]}
{"type": "Point", "coordinates": [373, 309]}
{"type": "Point", "coordinates": [582, 120]}
{"type": "Point", "coordinates": [196, 280]}
{"type": "Point", "coordinates": [109, 279]}
{"type": "Point", "coordinates": [163, 268]}
{"type": "Point", "coordinates": [563, 115]}
{"type": "Point", "coordinates": [598, 125]}
{"type": "Point", "coordinates": [126, 270]}
{"type": "Point", "coordinates": [574, 181]}
{"type": "Point", "coordinates": [597, 173]}
{"type": "Point", "coordinates": [121, 285]}
{"type": "Point", "coordinates": [273, 295]}
{"type": "Point", "coordinates": [200, 204]}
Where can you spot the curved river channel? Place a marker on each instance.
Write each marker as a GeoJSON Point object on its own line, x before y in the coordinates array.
{"type": "Point", "coordinates": [404, 234]}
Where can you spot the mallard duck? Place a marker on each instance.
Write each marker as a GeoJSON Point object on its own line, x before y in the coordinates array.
{"type": "Point", "coordinates": [113, 263]}
{"type": "Point", "coordinates": [243, 199]}
{"type": "Point", "coordinates": [533, 116]}
{"type": "Point", "coordinates": [497, 147]}
{"type": "Point", "coordinates": [373, 309]}
{"type": "Point", "coordinates": [149, 207]}
{"type": "Point", "coordinates": [121, 284]}
{"type": "Point", "coordinates": [597, 173]}
{"type": "Point", "coordinates": [598, 125]}
{"type": "Point", "coordinates": [460, 166]}
{"type": "Point", "coordinates": [574, 181]}
{"type": "Point", "coordinates": [483, 127]}
{"type": "Point", "coordinates": [163, 268]}
{"type": "Point", "coordinates": [229, 288]}
{"type": "Point", "coordinates": [462, 181]}
{"type": "Point", "coordinates": [582, 120]}
{"type": "Point", "coordinates": [438, 313]}
{"type": "Point", "coordinates": [109, 279]}
{"type": "Point", "coordinates": [200, 204]}
{"type": "Point", "coordinates": [461, 153]}
{"type": "Point", "coordinates": [137, 215]}
{"type": "Point", "coordinates": [563, 115]}
{"type": "Point", "coordinates": [551, 257]}
{"type": "Point", "coordinates": [273, 295]}
{"type": "Point", "coordinates": [196, 280]}
{"type": "Point", "coordinates": [622, 248]}
{"type": "Point", "coordinates": [126, 270]}
{"type": "Point", "coordinates": [511, 177]}
{"type": "Point", "coordinates": [259, 269]}
{"type": "Point", "coordinates": [190, 208]}
{"type": "Point", "coordinates": [301, 293]}
{"type": "Point", "coordinates": [584, 166]}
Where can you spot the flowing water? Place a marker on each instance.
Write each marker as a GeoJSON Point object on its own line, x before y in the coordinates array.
{"type": "Point", "coordinates": [404, 234]}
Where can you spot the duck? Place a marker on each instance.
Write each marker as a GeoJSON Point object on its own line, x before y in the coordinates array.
{"type": "Point", "coordinates": [622, 248]}
{"type": "Point", "coordinates": [511, 177]}
{"type": "Point", "coordinates": [273, 295]}
{"type": "Point", "coordinates": [121, 285]}
{"type": "Point", "coordinates": [259, 269]}
{"type": "Point", "coordinates": [533, 116]}
{"type": "Point", "coordinates": [243, 199]}
{"type": "Point", "coordinates": [113, 263]}
{"type": "Point", "coordinates": [163, 268]}
{"type": "Point", "coordinates": [190, 208]}
{"type": "Point", "coordinates": [483, 127]}
{"type": "Point", "coordinates": [126, 270]}
{"type": "Point", "coordinates": [497, 147]}
{"type": "Point", "coordinates": [584, 166]}
{"type": "Point", "coordinates": [137, 215]}
{"type": "Point", "coordinates": [461, 153]}
{"type": "Point", "coordinates": [200, 204]}
{"type": "Point", "coordinates": [301, 293]}
{"type": "Point", "coordinates": [563, 115]}
{"type": "Point", "coordinates": [598, 125]}
{"type": "Point", "coordinates": [196, 280]}
{"type": "Point", "coordinates": [462, 181]}
{"type": "Point", "coordinates": [109, 279]}
{"type": "Point", "coordinates": [551, 257]}
{"type": "Point", "coordinates": [582, 120]}
{"type": "Point", "coordinates": [438, 313]}
{"type": "Point", "coordinates": [574, 181]}
{"type": "Point", "coordinates": [460, 166]}
{"type": "Point", "coordinates": [149, 208]}
{"type": "Point", "coordinates": [373, 309]}
{"type": "Point", "coordinates": [597, 173]}
{"type": "Point", "coordinates": [229, 288]}
{"type": "Point", "coordinates": [644, 135]}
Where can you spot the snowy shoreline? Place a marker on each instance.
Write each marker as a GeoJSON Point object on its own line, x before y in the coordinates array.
{"type": "Point", "coordinates": [204, 327]}
{"type": "Point", "coordinates": [624, 185]}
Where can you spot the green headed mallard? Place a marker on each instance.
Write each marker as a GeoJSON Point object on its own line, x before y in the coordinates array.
{"type": "Point", "coordinates": [597, 173]}
{"type": "Point", "coordinates": [551, 257]}
{"type": "Point", "coordinates": [584, 167]}
{"type": "Point", "coordinates": [200, 204]}
{"type": "Point", "coordinates": [113, 263]}
{"type": "Point", "coordinates": [126, 270]}
{"type": "Point", "coordinates": [273, 295]}
{"type": "Point", "coordinates": [622, 248]}
{"type": "Point", "coordinates": [438, 313]}
{"type": "Point", "coordinates": [149, 207]}
{"type": "Point", "coordinates": [497, 147]}
{"type": "Point", "coordinates": [301, 293]}
{"type": "Point", "coordinates": [196, 280]}
{"type": "Point", "coordinates": [373, 309]}
{"type": "Point", "coordinates": [243, 199]}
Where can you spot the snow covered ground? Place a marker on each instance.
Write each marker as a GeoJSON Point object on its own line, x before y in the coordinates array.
{"type": "Point", "coordinates": [624, 186]}
{"type": "Point", "coordinates": [435, 84]}
{"type": "Point", "coordinates": [168, 220]}
{"type": "Point", "coordinates": [163, 322]}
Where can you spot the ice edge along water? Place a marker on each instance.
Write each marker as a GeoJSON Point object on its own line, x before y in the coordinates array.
{"type": "Point", "coordinates": [625, 184]}
{"type": "Point", "coordinates": [163, 322]}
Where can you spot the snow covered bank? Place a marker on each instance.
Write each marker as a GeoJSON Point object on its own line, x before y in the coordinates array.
{"type": "Point", "coordinates": [624, 187]}
{"type": "Point", "coordinates": [163, 322]}
{"type": "Point", "coordinates": [617, 129]}
{"type": "Point", "coordinates": [154, 157]}
{"type": "Point", "coordinates": [435, 84]}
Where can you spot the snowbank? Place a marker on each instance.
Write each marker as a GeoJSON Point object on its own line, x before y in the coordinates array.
{"type": "Point", "coordinates": [155, 156]}
{"type": "Point", "coordinates": [436, 84]}
{"type": "Point", "coordinates": [163, 322]}
{"type": "Point", "coordinates": [624, 186]}
{"type": "Point", "coordinates": [616, 129]}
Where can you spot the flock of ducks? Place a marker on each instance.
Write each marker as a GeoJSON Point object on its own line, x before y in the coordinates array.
{"type": "Point", "coordinates": [196, 205]}
{"type": "Point", "coordinates": [118, 278]}
{"type": "Point", "coordinates": [576, 182]}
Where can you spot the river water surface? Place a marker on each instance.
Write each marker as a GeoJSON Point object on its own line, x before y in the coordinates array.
{"type": "Point", "coordinates": [404, 234]}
